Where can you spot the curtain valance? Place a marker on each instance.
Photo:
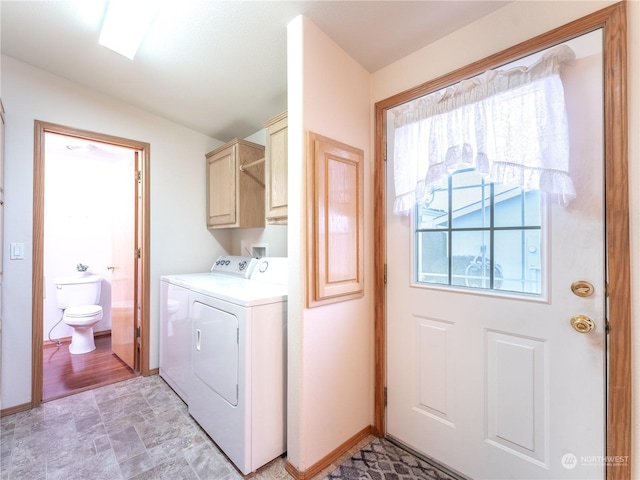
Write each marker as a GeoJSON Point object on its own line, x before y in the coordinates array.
{"type": "Point", "coordinates": [509, 125]}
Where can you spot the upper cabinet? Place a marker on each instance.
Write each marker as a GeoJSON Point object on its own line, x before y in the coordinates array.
{"type": "Point", "coordinates": [276, 164]}
{"type": "Point", "coordinates": [235, 185]}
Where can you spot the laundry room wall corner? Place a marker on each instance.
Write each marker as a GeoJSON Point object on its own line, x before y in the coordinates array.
{"type": "Point", "coordinates": [180, 241]}
{"type": "Point", "coordinates": [330, 347]}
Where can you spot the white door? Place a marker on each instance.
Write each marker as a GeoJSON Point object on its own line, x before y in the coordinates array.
{"type": "Point", "coordinates": [498, 384]}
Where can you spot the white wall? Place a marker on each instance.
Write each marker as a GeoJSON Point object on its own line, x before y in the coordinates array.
{"type": "Point", "coordinates": [272, 237]}
{"type": "Point", "coordinates": [180, 241]}
{"type": "Point", "coordinates": [331, 347]}
{"type": "Point", "coordinates": [508, 26]}
{"type": "Point", "coordinates": [515, 23]}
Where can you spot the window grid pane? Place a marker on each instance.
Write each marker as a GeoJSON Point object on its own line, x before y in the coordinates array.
{"type": "Point", "coordinates": [488, 238]}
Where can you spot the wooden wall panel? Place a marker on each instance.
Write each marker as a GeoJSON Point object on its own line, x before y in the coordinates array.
{"type": "Point", "coordinates": [336, 221]}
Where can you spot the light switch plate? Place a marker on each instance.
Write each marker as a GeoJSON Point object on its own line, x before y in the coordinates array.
{"type": "Point", "coordinates": [17, 251]}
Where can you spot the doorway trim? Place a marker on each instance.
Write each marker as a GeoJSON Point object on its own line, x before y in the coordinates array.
{"type": "Point", "coordinates": [613, 22]}
{"type": "Point", "coordinates": [37, 307]}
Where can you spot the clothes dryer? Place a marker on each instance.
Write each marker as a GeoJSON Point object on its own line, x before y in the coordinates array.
{"type": "Point", "coordinates": [235, 385]}
{"type": "Point", "coordinates": [226, 274]}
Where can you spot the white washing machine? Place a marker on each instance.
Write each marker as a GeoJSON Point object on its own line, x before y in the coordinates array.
{"type": "Point", "coordinates": [234, 377]}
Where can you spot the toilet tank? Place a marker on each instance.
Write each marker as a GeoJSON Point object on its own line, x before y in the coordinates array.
{"type": "Point", "coordinates": [73, 291]}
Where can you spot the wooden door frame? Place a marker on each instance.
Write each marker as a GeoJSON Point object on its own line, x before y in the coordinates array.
{"type": "Point", "coordinates": [37, 306]}
{"type": "Point", "coordinates": [613, 22]}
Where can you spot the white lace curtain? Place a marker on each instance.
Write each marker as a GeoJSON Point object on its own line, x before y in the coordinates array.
{"type": "Point", "coordinates": [510, 125]}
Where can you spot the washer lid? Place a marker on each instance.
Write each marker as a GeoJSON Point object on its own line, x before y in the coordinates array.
{"type": "Point", "coordinates": [83, 311]}
{"type": "Point", "coordinates": [239, 291]}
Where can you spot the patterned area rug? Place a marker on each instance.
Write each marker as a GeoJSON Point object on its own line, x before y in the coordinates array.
{"type": "Point", "coordinates": [382, 460]}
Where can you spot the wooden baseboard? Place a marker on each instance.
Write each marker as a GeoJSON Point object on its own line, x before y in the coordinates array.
{"type": "Point", "coordinates": [330, 458]}
{"type": "Point", "coordinates": [17, 409]}
{"type": "Point", "coordinates": [153, 371]}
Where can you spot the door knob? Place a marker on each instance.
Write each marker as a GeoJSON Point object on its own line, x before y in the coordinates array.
{"type": "Point", "coordinates": [582, 323]}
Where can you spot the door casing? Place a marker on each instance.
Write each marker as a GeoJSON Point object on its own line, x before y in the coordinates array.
{"type": "Point", "coordinates": [37, 307]}
{"type": "Point", "coordinates": [613, 22]}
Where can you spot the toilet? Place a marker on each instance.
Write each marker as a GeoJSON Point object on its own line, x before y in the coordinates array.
{"type": "Point", "coordinates": [78, 297]}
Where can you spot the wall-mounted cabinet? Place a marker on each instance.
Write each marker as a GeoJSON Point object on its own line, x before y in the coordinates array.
{"type": "Point", "coordinates": [235, 186]}
{"type": "Point", "coordinates": [335, 209]}
{"type": "Point", "coordinates": [276, 165]}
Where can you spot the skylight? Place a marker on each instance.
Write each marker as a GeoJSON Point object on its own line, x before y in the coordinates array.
{"type": "Point", "coordinates": [126, 23]}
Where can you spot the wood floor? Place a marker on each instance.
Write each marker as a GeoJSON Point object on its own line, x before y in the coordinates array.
{"type": "Point", "coordinates": [65, 374]}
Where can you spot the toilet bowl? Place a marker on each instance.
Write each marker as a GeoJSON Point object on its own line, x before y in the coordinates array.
{"type": "Point", "coordinates": [78, 297]}
{"type": "Point", "coordinates": [82, 319]}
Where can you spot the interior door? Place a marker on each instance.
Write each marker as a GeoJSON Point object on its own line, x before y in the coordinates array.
{"type": "Point", "coordinates": [124, 259]}
{"type": "Point", "coordinates": [497, 385]}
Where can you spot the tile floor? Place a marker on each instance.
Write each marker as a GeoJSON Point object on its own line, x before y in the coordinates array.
{"type": "Point", "coordinates": [136, 429]}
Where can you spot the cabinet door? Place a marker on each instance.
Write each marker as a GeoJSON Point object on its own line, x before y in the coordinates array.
{"type": "Point", "coordinates": [222, 188]}
{"type": "Point", "coordinates": [276, 162]}
{"type": "Point", "coordinates": [336, 232]}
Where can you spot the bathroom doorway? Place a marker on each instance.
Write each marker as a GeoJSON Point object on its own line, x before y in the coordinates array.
{"type": "Point", "coordinates": [90, 216]}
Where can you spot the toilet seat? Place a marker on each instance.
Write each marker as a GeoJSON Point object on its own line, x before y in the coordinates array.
{"type": "Point", "coordinates": [83, 311]}
{"type": "Point", "coordinates": [82, 316]}
{"type": "Point", "coordinates": [82, 319]}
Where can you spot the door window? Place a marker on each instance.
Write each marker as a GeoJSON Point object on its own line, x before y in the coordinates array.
{"type": "Point", "coordinates": [480, 235]}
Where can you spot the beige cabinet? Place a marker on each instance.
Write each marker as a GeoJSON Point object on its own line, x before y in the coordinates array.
{"type": "Point", "coordinates": [335, 248]}
{"type": "Point", "coordinates": [235, 185]}
{"type": "Point", "coordinates": [276, 165]}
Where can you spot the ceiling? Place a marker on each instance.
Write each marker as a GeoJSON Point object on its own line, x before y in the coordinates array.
{"type": "Point", "coordinates": [219, 67]}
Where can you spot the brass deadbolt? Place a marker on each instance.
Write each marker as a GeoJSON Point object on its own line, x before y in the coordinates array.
{"type": "Point", "coordinates": [582, 288]}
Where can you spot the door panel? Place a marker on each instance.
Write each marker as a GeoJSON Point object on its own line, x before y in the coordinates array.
{"type": "Point", "coordinates": [517, 379]}
{"type": "Point", "coordinates": [436, 357]}
{"type": "Point", "coordinates": [496, 385]}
